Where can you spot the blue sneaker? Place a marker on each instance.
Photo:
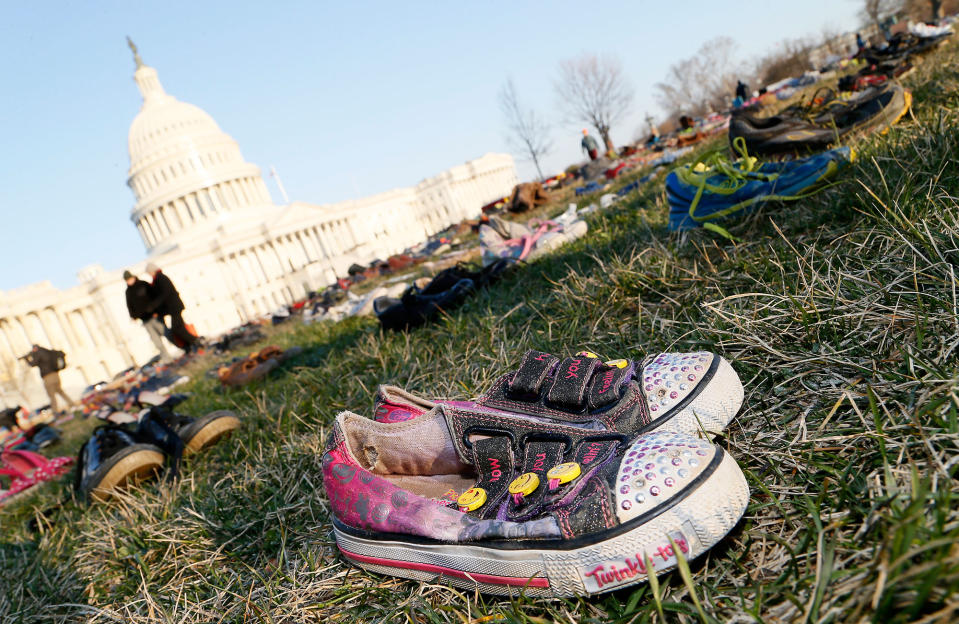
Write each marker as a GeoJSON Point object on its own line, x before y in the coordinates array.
{"type": "Point", "coordinates": [713, 187]}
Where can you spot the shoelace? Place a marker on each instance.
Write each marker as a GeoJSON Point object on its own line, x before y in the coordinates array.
{"type": "Point", "coordinates": [737, 175]}
{"type": "Point", "coordinates": [528, 241]}
{"type": "Point", "coordinates": [808, 110]}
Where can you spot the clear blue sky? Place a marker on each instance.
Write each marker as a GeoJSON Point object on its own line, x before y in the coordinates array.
{"type": "Point", "coordinates": [346, 99]}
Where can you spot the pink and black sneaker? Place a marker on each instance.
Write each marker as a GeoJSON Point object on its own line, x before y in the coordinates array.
{"type": "Point", "coordinates": [538, 506]}
{"type": "Point", "coordinates": [681, 392]}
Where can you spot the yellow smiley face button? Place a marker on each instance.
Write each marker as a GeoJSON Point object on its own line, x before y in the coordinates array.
{"type": "Point", "coordinates": [525, 484]}
{"type": "Point", "coordinates": [563, 473]}
{"type": "Point", "coordinates": [588, 354]}
{"type": "Point", "coordinates": [472, 499]}
{"type": "Point", "coordinates": [618, 363]}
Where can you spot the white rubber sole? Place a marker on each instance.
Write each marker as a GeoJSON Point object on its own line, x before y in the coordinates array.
{"type": "Point", "coordinates": [696, 522]}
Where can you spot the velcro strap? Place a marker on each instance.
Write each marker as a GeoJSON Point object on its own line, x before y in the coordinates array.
{"type": "Point", "coordinates": [606, 385]}
{"type": "Point", "coordinates": [570, 382]}
{"type": "Point", "coordinates": [593, 452]}
{"type": "Point", "coordinates": [532, 372]}
{"type": "Point", "coordinates": [493, 458]}
{"type": "Point", "coordinates": [540, 457]}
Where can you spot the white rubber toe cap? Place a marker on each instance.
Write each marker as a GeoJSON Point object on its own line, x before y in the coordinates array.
{"type": "Point", "coordinates": [690, 392]}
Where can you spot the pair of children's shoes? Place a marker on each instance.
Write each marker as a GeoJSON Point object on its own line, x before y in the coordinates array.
{"type": "Point", "coordinates": [570, 476]}
{"type": "Point", "coordinates": [116, 455]}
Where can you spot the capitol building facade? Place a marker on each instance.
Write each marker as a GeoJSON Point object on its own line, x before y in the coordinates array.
{"type": "Point", "coordinates": [206, 219]}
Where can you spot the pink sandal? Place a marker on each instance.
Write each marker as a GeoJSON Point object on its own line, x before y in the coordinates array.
{"type": "Point", "coordinates": [26, 469]}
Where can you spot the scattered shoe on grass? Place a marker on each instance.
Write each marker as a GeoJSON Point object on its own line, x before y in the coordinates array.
{"type": "Point", "coordinates": [417, 306]}
{"type": "Point", "coordinates": [506, 239]}
{"type": "Point", "coordinates": [873, 109]}
{"type": "Point", "coordinates": [256, 366]}
{"type": "Point", "coordinates": [553, 511]}
{"type": "Point", "coordinates": [197, 433]}
{"type": "Point", "coordinates": [115, 455]}
{"type": "Point", "coordinates": [26, 469]}
{"type": "Point", "coordinates": [779, 134]}
{"type": "Point", "coordinates": [826, 120]}
{"type": "Point", "coordinates": [712, 188]}
{"type": "Point", "coordinates": [112, 459]}
{"type": "Point", "coordinates": [682, 392]}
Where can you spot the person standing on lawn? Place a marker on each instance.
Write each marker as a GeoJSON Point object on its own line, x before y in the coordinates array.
{"type": "Point", "coordinates": [742, 91]}
{"type": "Point", "coordinates": [139, 295]}
{"type": "Point", "coordinates": [50, 363]}
{"type": "Point", "coordinates": [590, 145]}
{"type": "Point", "coordinates": [166, 302]}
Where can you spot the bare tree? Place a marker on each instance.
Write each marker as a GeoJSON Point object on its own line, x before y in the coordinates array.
{"type": "Point", "coordinates": [832, 41]}
{"type": "Point", "coordinates": [594, 91]}
{"type": "Point", "coordinates": [789, 59]}
{"type": "Point", "coordinates": [703, 82]}
{"type": "Point", "coordinates": [923, 10]}
{"type": "Point", "coordinates": [874, 11]}
{"type": "Point", "coordinates": [528, 132]}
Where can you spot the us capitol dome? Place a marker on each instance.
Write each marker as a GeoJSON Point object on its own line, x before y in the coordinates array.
{"type": "Point", "coordinates": [184, 170]}
{"type": "Point", "coordinates": [207, 220]}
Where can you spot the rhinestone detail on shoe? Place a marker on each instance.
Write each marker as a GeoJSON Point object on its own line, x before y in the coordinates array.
{"type": "Point", "coordinates": [670, 378]}
{"type": "Point", "coordinates": [673, 461]}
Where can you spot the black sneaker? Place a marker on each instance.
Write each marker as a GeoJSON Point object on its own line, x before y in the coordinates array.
{"type": "Point", "coordinates": [874, 108]}
{"type": "Point", "coordinates": [195, 433]}
{"type": "Point", "coordinates": [448, 278]}
{"type": "Point", "coordinates": [199, 433]}
{"type": "Point", "coordinates": [779, 134]}
{"type": "Point", "coordinates": [445, 290]}
{"type": "Point", "coordinates": [417, 307]}
{"type": "Point", "coordinates": [112, 458]}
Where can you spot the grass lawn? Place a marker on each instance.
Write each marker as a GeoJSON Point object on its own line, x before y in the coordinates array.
{"type": "Point", "coordinates": [839, 312]}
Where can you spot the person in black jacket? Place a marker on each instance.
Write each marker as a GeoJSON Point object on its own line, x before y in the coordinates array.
{"type": "Point", "coordinates": [742, 91]}
{"type": "Point", "coordinates": [139, 295]}
{"type": "Point", "coordinates": [50, 363]}
{"type": "Point", "coordinates": [166, 302]}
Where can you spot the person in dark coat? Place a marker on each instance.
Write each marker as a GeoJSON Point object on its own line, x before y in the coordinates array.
{"type": "Point", "coordinates": [50, 363]}
{"type": "Point", "coordinates": [742, 91]}
{"type": "Point", "coordinates": [139, 295]}
{"type": "Point", "coordinates": [166, 302]}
